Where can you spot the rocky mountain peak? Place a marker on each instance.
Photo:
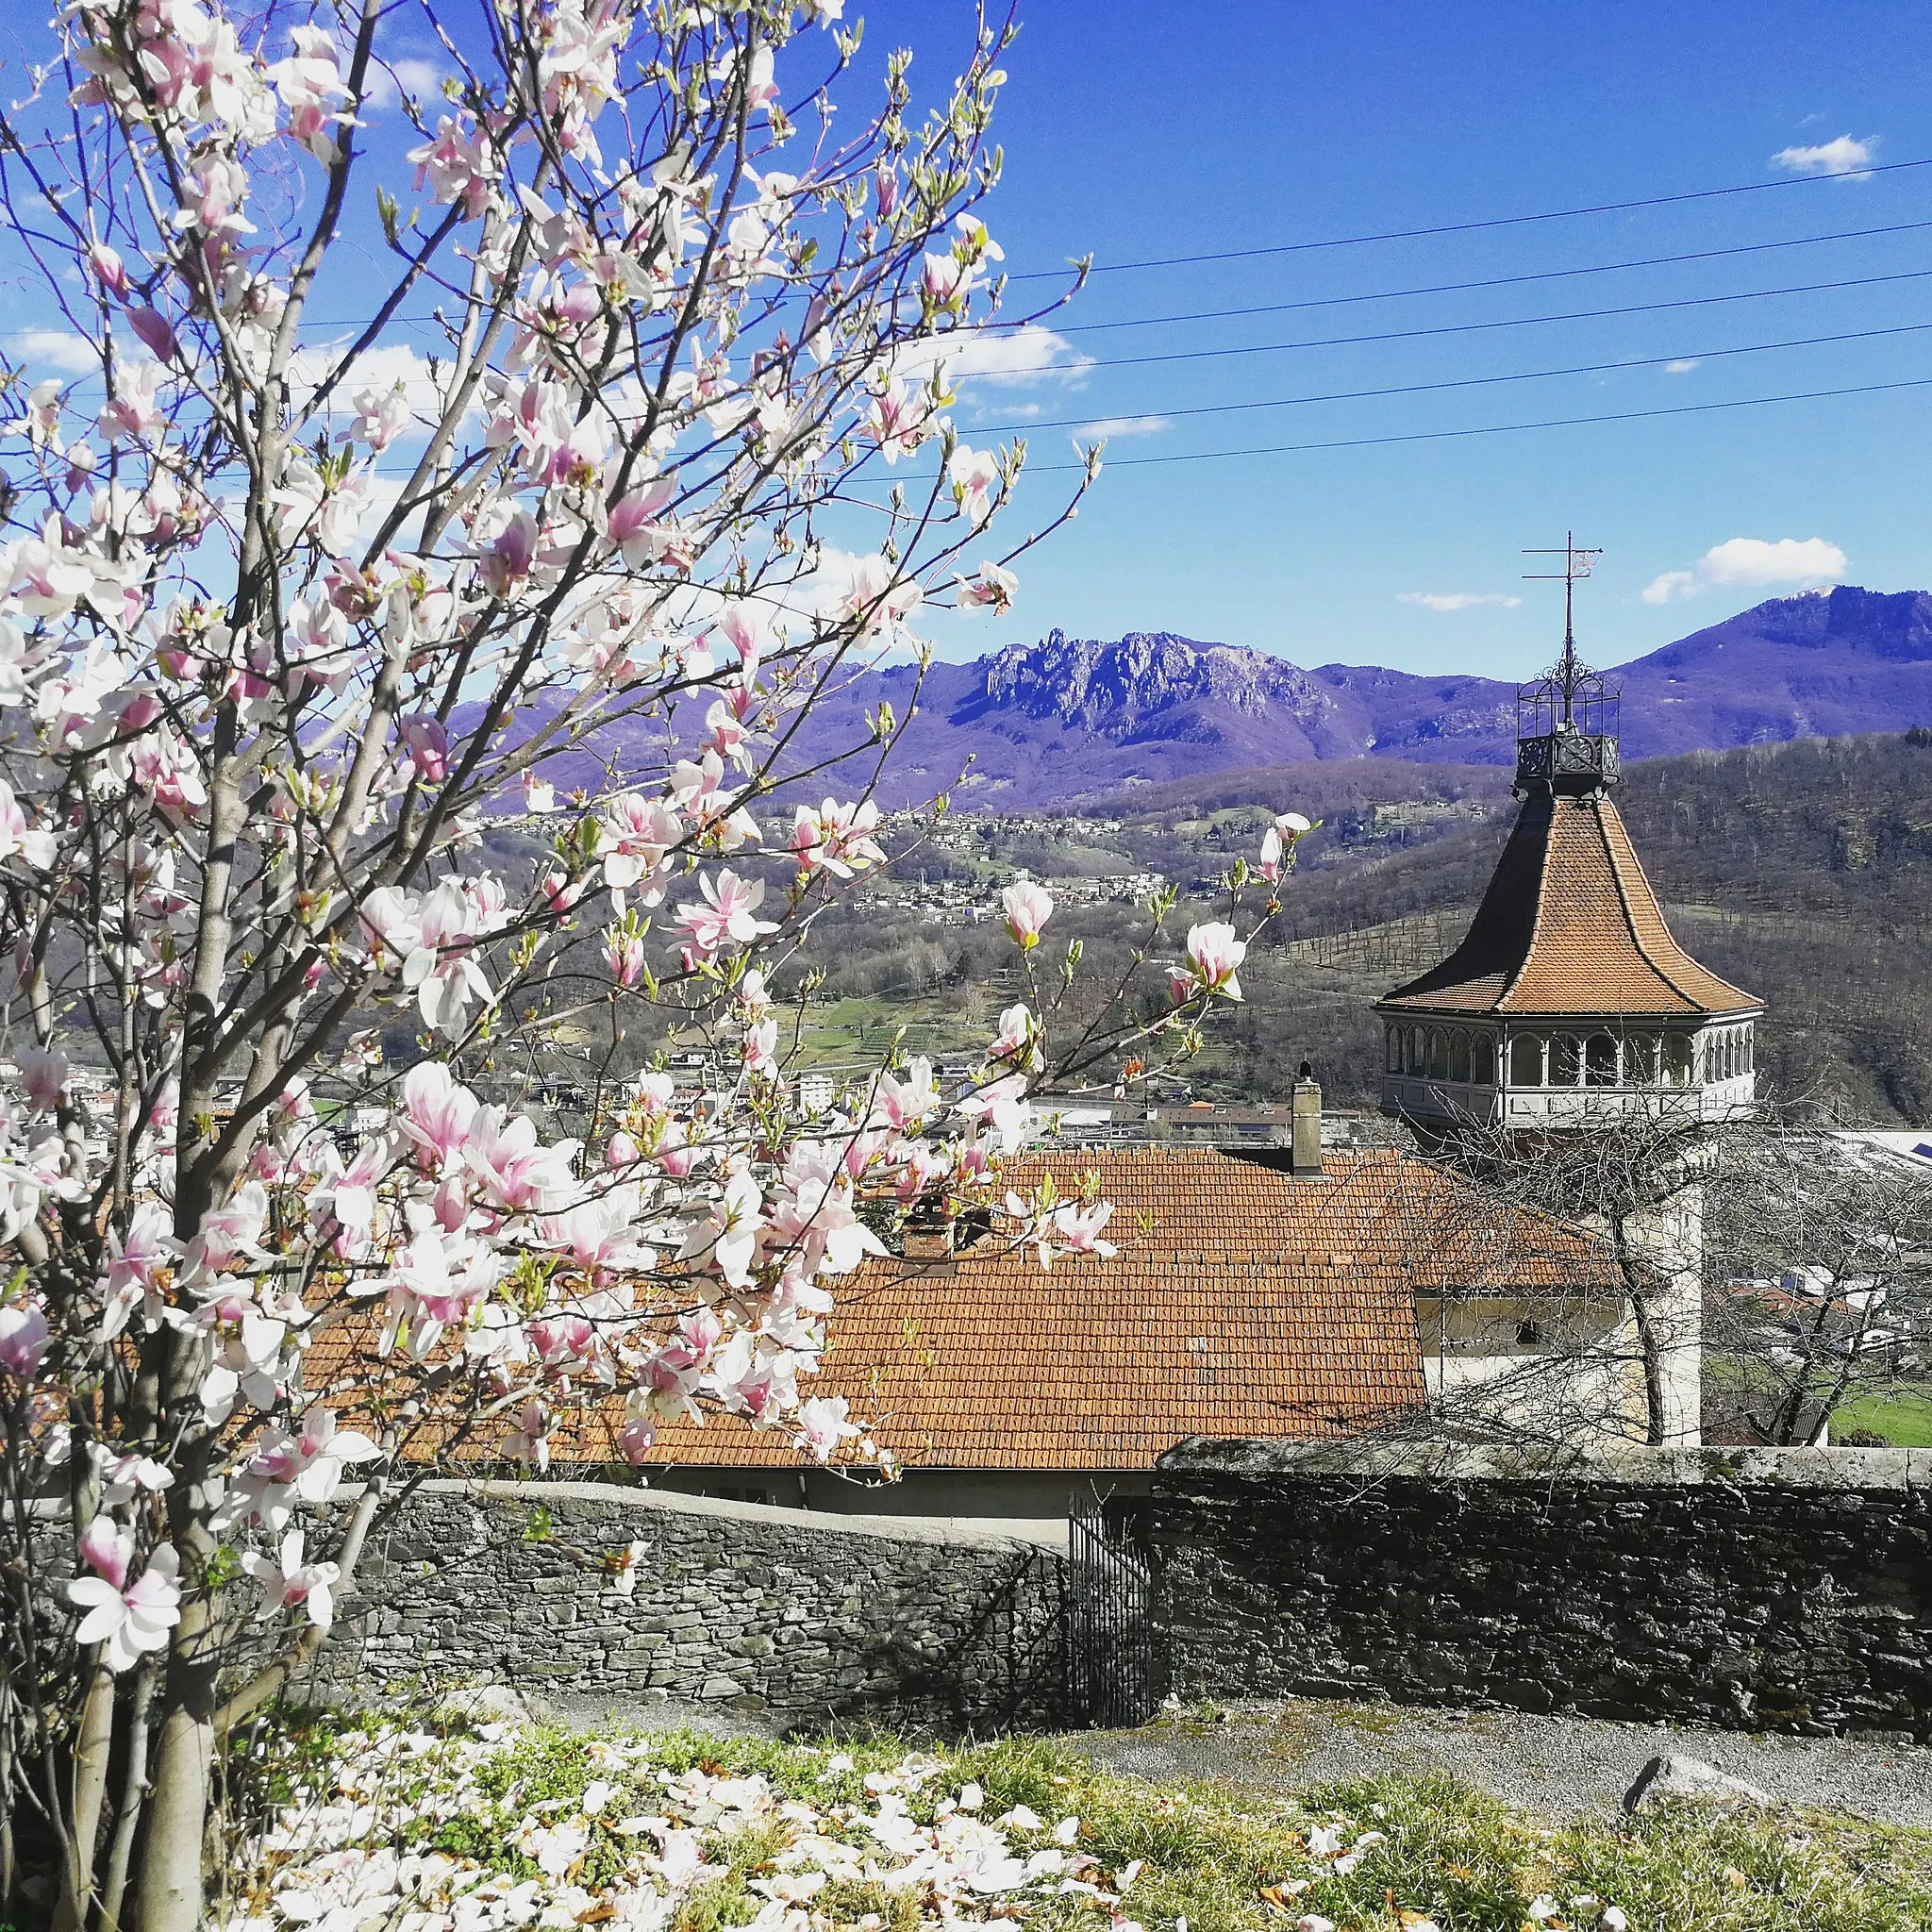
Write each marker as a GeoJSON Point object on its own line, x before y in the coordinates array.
{"type": "Point", "coordinates": [1117, 688]}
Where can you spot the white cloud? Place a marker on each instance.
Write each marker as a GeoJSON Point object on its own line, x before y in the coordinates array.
{"type": "Point", "coordinates": [419, 77]}
{"type": "Point", "coordinates": [1682, 366]}
{"type": "Point", "coordinates": [1032, 353]}
{"type": "Point", "coordinates": [1457, 600]}
{"type": "Point", "coordinates": [1125, 426]}
{"type": "Point", "coordinates": [404, 74]}
{"type": "Point", "coordinates": [1673, 583]}
{"type": "Point", "coordinates": [1752, 560]}
{"type": "Point", "coordinates": [380, 369]}
{"type": "Point", "coordinates": [54, 348]}
{"type": "Point", "coordinates": [1753, 563]}
{"type": "Point", "coordinates": [385, 493]}
{"type": "Point", "coordinates": [1845, 157]}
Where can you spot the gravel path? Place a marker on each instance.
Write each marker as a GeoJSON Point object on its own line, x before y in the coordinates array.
{"type": "Point", "coordinates": [1559, 1767]}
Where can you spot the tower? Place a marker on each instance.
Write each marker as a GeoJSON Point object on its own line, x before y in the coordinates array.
{"type": "Point", "coordinates": [1569, 1009]}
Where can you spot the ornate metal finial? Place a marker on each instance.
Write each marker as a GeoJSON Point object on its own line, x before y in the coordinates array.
{"type": "Point", "coordinates": [1566, 721]}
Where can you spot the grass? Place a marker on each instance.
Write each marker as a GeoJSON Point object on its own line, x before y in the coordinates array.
{"type": "Point", "coordinates": [1217, 1860]}
{"type": "Point", "coordinates": [1905, 1421]}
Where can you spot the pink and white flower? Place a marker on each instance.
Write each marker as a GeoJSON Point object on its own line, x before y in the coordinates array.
{"type": "Point", "coordinates": [726, 915]}
{"type": "Point", "coordinates": [18, 838]}
{"type": "Point", "coordinates": [128, 1621]}
{"type": "Point", "coordinates": [1214, 950]}
{"type": "Point", "coordinates": [994, 590]}
{"type": "Point", "coordinates": [25, 1338]}
{"type": "Point", "coordinates": [974, 474]}
{"type": "Point", "coordinates": [1027, 907]}
{"type": "Point", "coordinates": [289, 1582]}
{"type": "Point", "coordinates": [1278, 843]}
{"type": "Point", "coordinates": [823, 1424]}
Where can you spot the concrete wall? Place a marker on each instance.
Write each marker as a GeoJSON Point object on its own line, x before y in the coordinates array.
{"type": "Point", "coordinates": [1787, 1589]}
{"type": "Point", "coordinates": [773, 1614]}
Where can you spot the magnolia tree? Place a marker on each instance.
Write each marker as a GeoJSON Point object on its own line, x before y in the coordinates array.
{"type": "Point", "coordinates": [634, 443]}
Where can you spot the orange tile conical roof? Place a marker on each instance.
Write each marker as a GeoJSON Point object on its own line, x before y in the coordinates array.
{"type": "Point", "coordinates": [1570, 925]}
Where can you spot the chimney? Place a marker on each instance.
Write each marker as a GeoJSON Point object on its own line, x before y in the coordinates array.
{"type": "Point", "coordinates": [1304, 1158]}
{"type": "Point", "coordinates": [930, 1241]}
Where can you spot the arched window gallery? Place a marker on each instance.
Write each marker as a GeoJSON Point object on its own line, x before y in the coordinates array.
{"type": "Point", "coordinates": [1468, 1056]}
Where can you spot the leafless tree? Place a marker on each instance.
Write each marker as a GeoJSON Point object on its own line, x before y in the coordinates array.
{"type": "Point", "coordinates": [1818, 1281]}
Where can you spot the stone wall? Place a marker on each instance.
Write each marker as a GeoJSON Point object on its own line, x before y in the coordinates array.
{"type": "Point", "coordinates": [1787, 1589]}
{"type": "Point", "coordinates": [772, 1614]}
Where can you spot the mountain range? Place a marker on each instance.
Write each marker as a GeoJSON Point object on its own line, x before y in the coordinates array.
{"type": "Point", "coordinates": [1070, 721]}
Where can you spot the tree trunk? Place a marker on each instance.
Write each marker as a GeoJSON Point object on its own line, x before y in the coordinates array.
{"type": "Point", "coordinates": [91, 1751]}
{"type": "Point", "coordinates": [168, 1898]}
{"type": "Point", "coordinates": [1652, 1371]}
{"type": "Point", "coordinates": [168, 1892]}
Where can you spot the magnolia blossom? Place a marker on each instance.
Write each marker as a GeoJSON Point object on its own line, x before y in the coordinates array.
{"type": "Point", "coordinates": [136, 1260]}
{"type": "Point", "coordinates": [624, 954]}
{"type": "Point", "coordinates": [822, 1424]}
{"type": "Point", "coordinates": [633, 837]}
{"type": "Point", "coordinates": [443, 965]}
{"type": "Point", "coordinates": [1027, 907]}
{"type": "Point", "coordinates": [44, 1072]}
{"type": "Point", "coordinates": [838, 838]}
{"type": "Point", "coordinates": [974, 474]}
{"type": "Point", "coordinates": [994, 590]}
{"type": "Point", "coordinates": [727, 914]}
{"type": "Point", "coordinates": [435, 1117]}
{"type": "Point", "coordinates": [287, 1582]}
{"type": "Point", "coordinates": [898, 423]}
{"type": "Point", "coordinates": [1279, 844]}
{"type": "Point", "coordinates": [18, 838]}
{"type": "Point", "coordinates": [381, 416]}
{"type": "Point", "coordinates": [624, 1574]}
{"type": "Point", "coordinates": [1214, 952]}
{"type": "Point", "coordinates": [879, 596]}
{"type": "Point", "coordinates": [457, 165]}
{"type": "Point", "coordinates": [1078, 1230]}
{"type": "Point", "coordinates": [529, 1440]}
{"type": "Point", "coordinates": [127, 1621]}
{"type": "Point", "coordinates": [24, 1338]}
{"type": "Point", "coordinates": [426, 740]}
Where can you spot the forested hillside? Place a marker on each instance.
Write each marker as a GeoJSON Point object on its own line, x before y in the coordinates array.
{"type": "Point", "coordinates": [1802, 871]}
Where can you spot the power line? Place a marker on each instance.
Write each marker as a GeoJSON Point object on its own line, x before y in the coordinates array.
{"type": "Point", "coordinates": [1460, 328]}
{"type": "Point", "coordinates": [1413, 389]}
{"type": "Point", "coordinates": [1283, 449]}
{"type": "Point", "coordinates": [1549, 275]}
{"type": "Point", "coordinates": [1562, 215]}
{"type": "Point", "coordinates": [1554, 274]}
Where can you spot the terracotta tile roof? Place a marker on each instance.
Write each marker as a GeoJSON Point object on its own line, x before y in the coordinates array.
{"type": "Point", "coordinates": [1241, 1303]}
{"type": "Point", "coordinates": [1570, 925]}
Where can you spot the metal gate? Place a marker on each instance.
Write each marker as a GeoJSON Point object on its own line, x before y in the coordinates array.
{"type": "Point", "coordinates": [1113, 1663]}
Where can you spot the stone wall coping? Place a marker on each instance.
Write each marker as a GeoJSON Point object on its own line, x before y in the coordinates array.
{"type": "Point", "coordinates": [1636, 1464]}
{"type": "Point", "coordinates": [952, 1532]}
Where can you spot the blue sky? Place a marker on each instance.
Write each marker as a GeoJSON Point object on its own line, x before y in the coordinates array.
{"type": "Point", "coordinates": [1134, 131]}
{"type": "Point", "coordinates": [1138, 130]}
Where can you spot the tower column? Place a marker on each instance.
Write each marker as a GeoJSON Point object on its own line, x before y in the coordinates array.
{"type": "Point", "coordinates": [1619, 1054]}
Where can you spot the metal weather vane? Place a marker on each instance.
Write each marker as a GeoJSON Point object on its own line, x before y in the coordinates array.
{"type": "Point", "coordinates": [1578, 564]}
